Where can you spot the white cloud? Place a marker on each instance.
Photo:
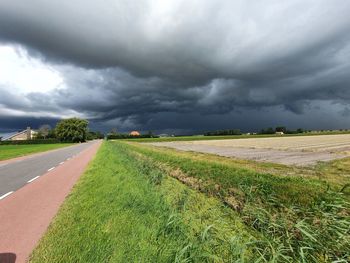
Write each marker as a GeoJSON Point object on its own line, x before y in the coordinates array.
{"type": "Point", "coordinates": [26, 74]}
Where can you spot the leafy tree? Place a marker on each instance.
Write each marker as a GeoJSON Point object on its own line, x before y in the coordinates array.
{"type": "Point", "coordinates": [300, 130]}
{"type": "Point", "coordinates": [91, 135]}
{"type": "Point", "coordinates": [223, 132]}
{"type": "Point", "coordinates": [73, 129]}
{"type": "Point", "coordinates": [268, 131]}
{"type": "Point", "coordinates": [114, 131]}
{"type": "Point", "coordinates": [52, 134]}
{"type": "Point", "coordinates": [281, 129]}
{"type": "Point", "coordinates": [44, 131]}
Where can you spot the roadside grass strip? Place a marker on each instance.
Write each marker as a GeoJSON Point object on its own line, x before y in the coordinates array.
{"type": "Point", "coordinates": [12, 151]}
{"type": "Point", "coordinates": [304, 219]}
{"type": "Point", "coordinates": [128, 210]}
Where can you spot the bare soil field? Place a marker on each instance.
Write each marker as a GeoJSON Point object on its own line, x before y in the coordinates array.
{"type": "Point", "coordinates": [302, 150]}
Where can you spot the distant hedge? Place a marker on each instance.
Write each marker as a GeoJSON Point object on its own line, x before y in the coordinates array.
{"type": "Point", "coordinates": [39, 141]}
{"type": "Point", "coordinates": [223, 132]}
{"type": "Point", "coordinates": [127, 136]}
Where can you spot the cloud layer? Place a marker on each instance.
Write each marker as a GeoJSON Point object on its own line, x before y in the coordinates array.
{"type": "Point", "coordinates": [135, 64]}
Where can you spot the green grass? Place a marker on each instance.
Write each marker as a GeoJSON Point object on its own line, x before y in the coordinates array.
{"type": "Point", "coordinates": [123, 210]}
{"type": "Point", "coordinates": [137, 203]}
{"type": "Point", "coordinates": [306, 217]}
{"type": "Point", "coordinates": [12, 151]}
{"type": "Point", "coordinates": [243, 136]}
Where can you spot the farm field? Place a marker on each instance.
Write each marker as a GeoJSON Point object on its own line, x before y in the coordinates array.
{"type": "Point", "coordinates": [225, 137]}
{"type": "Point", "coordinates": [297, 150]}
{"type": "Point", "coordinates": [140, 203]}
{"type": "Point", "coordinates": [12, 151]}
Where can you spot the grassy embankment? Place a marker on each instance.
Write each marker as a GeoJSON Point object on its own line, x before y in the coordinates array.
{"type": "Point", "coordinates": [12, 151]}
{"type": "Point", "coordinates": [225, 137]}
{"type": "Point", "coordinates": [141, 204]}
{"type": "Point", "coordinates": [305, 215]}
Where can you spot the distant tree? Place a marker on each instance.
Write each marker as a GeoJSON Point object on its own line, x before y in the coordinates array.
{"type": "Point", "coordinates": [73, 129]}
{"type": "Point", "coordinates": [223, 132]}
{"type": "Point", "coordinates": [52, 134]}
{"type": "Point", "coordinates": [99, 135]}
{"type": "Point", "coordinates": [44, 131]}
{"type": "Point", "coordinates": [281, 129]}
{"type": "Point", "coordinates": [300, 130]}
{"type": "Point", "coordinates": [91, 135]}
{"type": "Point", "coordinates": [267, 131]}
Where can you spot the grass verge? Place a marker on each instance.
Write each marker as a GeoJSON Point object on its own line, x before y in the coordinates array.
{"type": "Point", "coordinates": [12, 151]}
{"type": "Point", "coordinates": [305, 218]}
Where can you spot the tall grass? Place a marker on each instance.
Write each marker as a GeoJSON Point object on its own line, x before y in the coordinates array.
{"type": "Point", "coordinates": [302, 219]}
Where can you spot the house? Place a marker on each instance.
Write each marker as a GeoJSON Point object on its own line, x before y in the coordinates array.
{"type": "Point", "coordinates": [27, 134]}
{"type": "Point", "coordinates": [134, 133]}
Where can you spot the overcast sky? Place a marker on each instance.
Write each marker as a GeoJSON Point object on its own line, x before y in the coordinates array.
{"type": "Point", "coordinates": [175, 66]}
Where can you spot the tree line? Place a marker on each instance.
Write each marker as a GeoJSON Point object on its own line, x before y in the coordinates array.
{"type": "Point", "coordinates": [223, 132]}
{"type": "Point", "coordinates": [281, 129]}
{"type": "Point", "coordinates": [269, 130]}
{"type": "Point", "coordinates": [113, 135]}
{"type": "Point", "coordinates": [68, 130]}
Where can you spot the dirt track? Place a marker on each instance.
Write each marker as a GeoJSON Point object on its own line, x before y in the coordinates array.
{"type": "Point", "coordinates": [26, 214]}
{"type": "Point", "coordinates": [299, 150]}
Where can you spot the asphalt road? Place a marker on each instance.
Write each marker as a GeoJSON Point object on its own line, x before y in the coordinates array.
{"type": "Point", "coordinates": [26, 214]}
{"type": "Point", "coordinates": [15, 175]}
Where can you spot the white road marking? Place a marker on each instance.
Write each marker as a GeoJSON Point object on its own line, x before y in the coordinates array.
{"type": "Point", "coordinates": [51, 169]}
{"type": "Point", "coordinates": [61, 163]}
{"type": "Point", "coordinates": [31, 180]}
{"type": "Point", "coordinates": [3, 196]}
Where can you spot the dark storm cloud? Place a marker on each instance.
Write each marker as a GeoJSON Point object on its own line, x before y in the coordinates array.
{"type": "Point", "coordinates": [16, 123]}
{"type": "Point", "coordinates": [162, 64]}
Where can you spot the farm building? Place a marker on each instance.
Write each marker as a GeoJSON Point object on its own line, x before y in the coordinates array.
{"type": "Point", "coordinates": [134, 133]}
{"type": "Point", "coordinates": [26, 134]}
